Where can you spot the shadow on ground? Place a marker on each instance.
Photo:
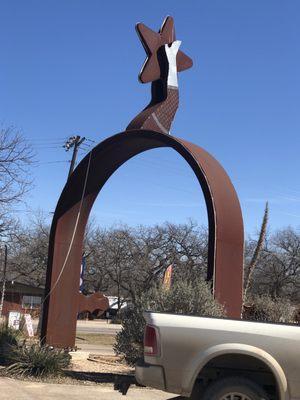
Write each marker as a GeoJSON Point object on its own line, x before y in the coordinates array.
{"type": "Point", "coordinates": [101, 377]}
{"type": "Point", "coordinates": [120, 382]}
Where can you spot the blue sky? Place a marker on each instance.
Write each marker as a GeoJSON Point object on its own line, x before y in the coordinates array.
{"type": "Point", "coordinates": [70, 67]}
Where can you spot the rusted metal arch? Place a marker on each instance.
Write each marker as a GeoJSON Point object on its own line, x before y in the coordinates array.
{"type": "Point", "coordinates": [226, 235]}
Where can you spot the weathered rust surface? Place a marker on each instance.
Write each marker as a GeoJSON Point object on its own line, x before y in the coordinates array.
{"type": "Point", "coordinates": [148, 130]}
{"type": "Point", "coordinates": [152, 42]}
{"type": "Point", "coordinates": [164, 60]}
{"type": "Point", "coordinates": [95, 301]}
{"type": "Point", "coordinates": [225, 259]}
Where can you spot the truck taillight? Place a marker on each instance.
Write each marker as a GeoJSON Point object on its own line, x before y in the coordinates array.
{"type": "Point", "coordinates": [151, 347]}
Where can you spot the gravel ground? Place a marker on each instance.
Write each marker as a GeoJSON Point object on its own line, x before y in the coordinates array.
{"type": "Point", "coordinates": [101, 364]}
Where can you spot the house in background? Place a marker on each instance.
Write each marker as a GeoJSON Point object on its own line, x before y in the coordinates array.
{"type": "Point", "coordinates": [22, 298]}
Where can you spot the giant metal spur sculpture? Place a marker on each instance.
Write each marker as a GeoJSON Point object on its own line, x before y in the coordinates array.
{"type": "Point", "coordinates": [148, 130]}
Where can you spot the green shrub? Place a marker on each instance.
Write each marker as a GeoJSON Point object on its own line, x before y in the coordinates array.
{"type": "Point", "coordinates": [129, 341]}
{"type": "Point", "coordinates": [182, 298]}
{"type": "Point", "coordinates": [265, 309]}
{"type": "Point", "coordinates": [8, 338]}
{"type": "Point", "coordinates": [38, 361]}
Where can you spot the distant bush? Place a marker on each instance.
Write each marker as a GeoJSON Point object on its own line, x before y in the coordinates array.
{"type": "Point", "coordinates": [116, 319]}
{"type": "Point", "coordinates": [8, 338]}
{"type": "Point", "coordinates": [264, 308]}
{"type": "Point", "coordinates": [183, 298]}
{"type": "Point", "coordinates": [38, 361]}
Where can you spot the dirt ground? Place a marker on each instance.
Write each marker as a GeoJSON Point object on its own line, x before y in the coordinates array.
{"type": "Point", "coordinates": [101, 364]}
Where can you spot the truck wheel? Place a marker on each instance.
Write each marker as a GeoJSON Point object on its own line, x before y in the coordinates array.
{"type": "Point", "coordinates": [234, 388]}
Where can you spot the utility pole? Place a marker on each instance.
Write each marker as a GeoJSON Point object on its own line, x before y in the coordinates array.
{"type": "Point", "coordinates": [73, 142]}
{"type": "Point", "coordinates": [4, 280]}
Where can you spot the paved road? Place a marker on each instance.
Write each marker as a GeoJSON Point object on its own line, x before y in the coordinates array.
{"type": "Point", "coordinates": [96, 326]}
{"type": "Point", "coordinates": [93, 327]}
{"type": "Point", "coordinates": [23, 390]}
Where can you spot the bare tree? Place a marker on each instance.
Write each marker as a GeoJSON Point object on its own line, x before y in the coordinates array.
{"type": "Point", "coordinates": [29, 252]}
{"type": "Point", "coordinates": [95, 276]}
{"type": "Point", "coordinates": [126, 262]}
{"type": "Point", "coordinates": [15, 157]}
{"type": "Point", "coordinates": [277, 271]}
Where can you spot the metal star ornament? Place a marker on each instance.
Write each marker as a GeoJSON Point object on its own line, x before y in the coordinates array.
{"type": "Point", "coordinates": [152, 42]}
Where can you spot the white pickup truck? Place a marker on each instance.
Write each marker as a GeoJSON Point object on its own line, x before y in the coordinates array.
{"type": "Point", "coordinates": [220, 359]}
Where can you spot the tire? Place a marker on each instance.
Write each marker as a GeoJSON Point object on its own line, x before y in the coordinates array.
{"type": "Point", "coordinates": [234, 388]}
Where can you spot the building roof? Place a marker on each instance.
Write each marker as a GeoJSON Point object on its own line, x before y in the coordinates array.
{"type": "Point", "coordinates": [17, 287]}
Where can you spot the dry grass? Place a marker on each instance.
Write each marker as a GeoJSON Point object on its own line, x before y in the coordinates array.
{"type": "Point", "coordinates": [95, 338]}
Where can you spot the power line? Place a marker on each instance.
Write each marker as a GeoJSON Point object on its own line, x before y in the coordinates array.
{"type": "Point", "coordinates": [36, 143]}
{"type": "Point", "coordinates": [54, 162]}
{"type": "Point", "coordinates": [44, 147]}
{"type": "Point", "coordinates": [87, 145]}
{"type": "Point", "coordinates": [43, 139]}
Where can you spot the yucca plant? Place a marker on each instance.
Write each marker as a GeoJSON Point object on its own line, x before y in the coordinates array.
{"type": "Point", "coordinates": [8, 338]}
{"type": "Point", "coordinates": [37, 360]}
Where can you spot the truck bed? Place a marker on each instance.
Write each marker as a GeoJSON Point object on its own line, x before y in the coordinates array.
{"type": "Point", "coordinates": [187, 344]}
